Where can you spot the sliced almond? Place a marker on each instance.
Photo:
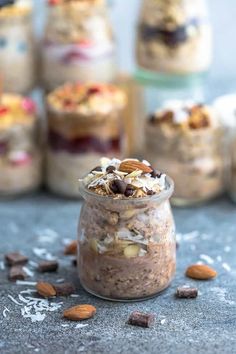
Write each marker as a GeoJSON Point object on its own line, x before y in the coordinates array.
{"type": "Point", "coordinates": [94, 245]}
{"type": "Point", "coordinates": [79, 312]}
{"type": "Point", "coordinates": [200, 272]}
{"type": "Point", "coordinates": [45, 289]}
{"type": "Point", "coordinates": [131, 251]}
{"type": "Point", "coordinates": [130, 166]}
{"type": "Point", "coordinates": [71, 248]}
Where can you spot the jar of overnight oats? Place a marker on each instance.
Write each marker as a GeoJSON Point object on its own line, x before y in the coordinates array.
{"type": "Point", "coordinates": [20, 157]}
{"type": "Point", "coordinates": [78, 43]}
{"type": "Point", "coordinates": [185, 139]}
{"type": "Point", "coordinates": [126, 234]}
{"type": "Point", "coordinates": [85, 122]}
{"type": "Point", "coordinates": [17, 63]}
{"type": "Point", "coordinates": [174, 37]}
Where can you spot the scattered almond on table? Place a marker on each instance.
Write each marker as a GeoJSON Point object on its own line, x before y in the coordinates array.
{"type": "Point", "coordinates": [79, 312]}
{"type": "Point", "coordinates": [71, 248]}
{"type": "Point", "coordinates": [200, 272]}
{"type": "Point", "coordinates": [45, 289]}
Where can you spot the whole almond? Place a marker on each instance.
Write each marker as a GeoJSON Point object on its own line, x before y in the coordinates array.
{"type": "Point", "coordinates": [45, 289]}
{"type": "Point", "coordinates": [132, 165]}
{"type": "Point", "coordinates": [200, 272]}
{"type": "Point", "coordinates": [71, 248]}
{"type": "Point", "coordinates": [79, 312]}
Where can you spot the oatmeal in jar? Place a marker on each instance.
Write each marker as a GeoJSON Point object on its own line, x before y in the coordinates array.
{"type": "Point", "coordinates": [20, 158]}
{"type": "Point", "coordinates": [84, 123]}
{"type": "Point", "coordinates": [78, 43]}
{"type": "Point", "coordinates": [126, 232]}
{"type": "Point", "coordinates": [185, 139]}
{"type": "Point", "coordinates": [174, 36]}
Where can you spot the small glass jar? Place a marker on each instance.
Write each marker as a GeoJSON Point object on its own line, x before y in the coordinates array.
{"type": "Point", "coordinates": [174, 37]}
{"type": "Point", "coordinates": [186, 140]}
{"type": "Point", "coordinates": [17, 63]}
{"type": "Point", "coordinates": [85, 122]}
{"type": "Point", "coordinates": [20, 157]}
{"type": "Point", "coordinates": [78, 43]}
{"type": "Point", "coordinates": [127, 247]}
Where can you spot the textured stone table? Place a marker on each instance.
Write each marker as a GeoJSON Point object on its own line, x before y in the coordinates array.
{"type": "Point", "coordinates": [204, 325]}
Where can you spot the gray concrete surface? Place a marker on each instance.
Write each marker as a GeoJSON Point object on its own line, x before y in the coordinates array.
{"type": "Point", "coordinates": [204, 325]}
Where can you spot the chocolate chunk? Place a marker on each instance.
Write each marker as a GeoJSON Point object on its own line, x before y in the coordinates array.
{"type": "Point", "coordinates": [156, 174]}
{"type": "Point", "coordinates": [117, 186]}
{"type": "Point", "coordinates": [150, 192]}
{"type": "Point", "coordinates": [97, 169]}
{"type": "Point", "coordinates": [48, 266]}
{"type": "Point", "coordinates": [74, 262]}
{"type": "Point", "coordinates": [17, 273]}
{"type": "Point", "coordinates": [15, 258]}
{"type": "Point", "coordinates": [64, 289]}
{"type": "Point", "coordinates": [141, 319]}
{"type": "Point", "coordinates": [186, 293]}
{"type": "Point", "coordinates": [129, 190]}
{"type": "Point", "coordinates": [110, 169]}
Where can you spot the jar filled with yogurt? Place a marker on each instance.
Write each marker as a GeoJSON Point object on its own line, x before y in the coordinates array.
{"type": "Point", "coordinates": [17, 60]}
{"type": "Point", "coordinates": [174, 37]}
{"type": "Point", "coordinates": [78, 43]}
{"type": "Point", "coordinates": [85, 122]}
{"type": "Point", "coordinates": [126, 235]}
{"type": "Point", "coordinates": [185, 139]}
{"type": "Point", "coordinates": [20, 156]}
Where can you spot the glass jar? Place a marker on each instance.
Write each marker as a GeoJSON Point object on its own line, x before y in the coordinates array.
{"type": "Point", "coordinates": [127, 247]}
{"type": "Point", "coordinates": [85, 122]}
{"type": "Point", "coordinates": [174, 37]}
{"type": "Point", "coordinates": [186, 141]}
{"type": "Point", "coordinates": [20, 157]}
{"type": "Point", "coordinates": [17, 47]}
{"type": "Point", "coordinates": [78, 43]}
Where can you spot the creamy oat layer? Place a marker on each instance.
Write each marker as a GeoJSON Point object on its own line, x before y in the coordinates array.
{"type": "Point", "coordinates": [87, 99]}
{"type": "Point", "coordinates": [129, 178]}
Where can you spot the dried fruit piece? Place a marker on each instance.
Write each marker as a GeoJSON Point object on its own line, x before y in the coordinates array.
{"type": "Point", "coordinates": [118, 186]}
{"type": "Point", "coordinates": [129, 166]}
{"type": "Point", "coordinates": [131, 251]}
{"type": "Point", "coordinates": [17, 273]}
{"type": "Point", "coordinates": [48, 266]}
{"type": "Point", "coordinates": [45, 289]}
{"type": "Point", "coordinates": [141, 319]}
{"type": "Point", "coordinates": [200, 272]}
{"type": "Point", "coordinates": [15, 258]}
{"type": "Point", "coordinates": [79, 312]}
{"type": "Point", "coordinates": [186, 292]}
{"type": "Point", "coordinates": [71, 248]}
{"type": "Point", "coordinates": [64, 289]}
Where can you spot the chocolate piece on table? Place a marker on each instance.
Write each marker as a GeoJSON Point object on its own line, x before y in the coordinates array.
{"type": "Point", "coordinates": [186, 293]}
{"type": "Point", "coordinates": [15, 258]}
{"type": "Point", "coordinates": [74, 262]}
{"type": "Point", "coordinates": [141, 319]}
{"type": "Point", "coordinates": [117, 186]}
{"type": "Point", "coordinates": [64, 289]}
{"type": "Point", "coordinates": [48, 266]}
{"type": "Point", "coordinates": [17, 273]}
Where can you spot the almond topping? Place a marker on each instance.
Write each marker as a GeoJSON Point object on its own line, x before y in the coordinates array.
{"type": "Point", "coordinates": [130, 166]}
{"type": "Point", "coordinates": [200, 272]}
{"type": "Point", "coordinates": [71, 248]}
{"type": "Point", "coordinates": [79, 312]}
{"type": "Point", "coordinates": [45, 289]}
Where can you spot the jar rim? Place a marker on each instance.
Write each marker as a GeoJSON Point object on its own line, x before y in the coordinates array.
{"type": "Point", "coordinates": [160, 197]}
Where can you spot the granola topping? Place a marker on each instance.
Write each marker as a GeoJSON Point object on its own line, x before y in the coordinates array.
{"type": "Point", "coordinates": [108, 179]}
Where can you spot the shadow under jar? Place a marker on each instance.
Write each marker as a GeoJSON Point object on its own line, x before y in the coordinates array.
{"type": "Point", "coordinates": [186, 141]}
{"type": "Point", "coordinates": [78, 43]}
{"type": "Point", "coordinates": [20, 156]}
{"type": "Point", "coordinates": [84, 123]}
{"type": "Point", "coordinates": [127, 247]}
{"type": "Point", "coordinates": [17, 63]}
{"type": "Point", "coordinates": [174, 37]}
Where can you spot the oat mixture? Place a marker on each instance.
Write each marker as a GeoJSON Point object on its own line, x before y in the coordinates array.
{"type": "Point", "coordinates": [185, 140]}
{"type": "Point", "coordinates": [126, 232]}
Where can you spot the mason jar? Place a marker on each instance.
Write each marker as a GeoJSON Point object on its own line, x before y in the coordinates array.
{"type": "Point", "coordinates": [127, 247]}
{"type": "Point", "coordinates": [174, 37]}
{"type": "Point", "coordinates": [185, 139]}
{"type": "Point", "coordinates": [20, 155]}
{"type": "Point", "coordinates": [85, 122]}
{"type": "Point", "coordinates": [17, 63]}
{"type": "Point", "coordinates": [78, 43]}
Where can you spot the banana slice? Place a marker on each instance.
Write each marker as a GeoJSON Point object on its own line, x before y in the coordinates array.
{"type": "Point", "coordinates": [131, 251]}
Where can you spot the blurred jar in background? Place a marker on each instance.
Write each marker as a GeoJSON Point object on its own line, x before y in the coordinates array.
{"type": "Point", "coordinates": [17, 61]}
{"type": "Point", "coordinates": [20, 158]}
{"type": "Point", "coordinates": [78, 43]}
{"type": "Point", "coordinates": [85, 123]}
{"type": "Point", "coordinates": [185, 140]}
{"type": "Point", "coordinates": [174, 37]}
{"type": "Point", "coordinates": [226, 108]}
